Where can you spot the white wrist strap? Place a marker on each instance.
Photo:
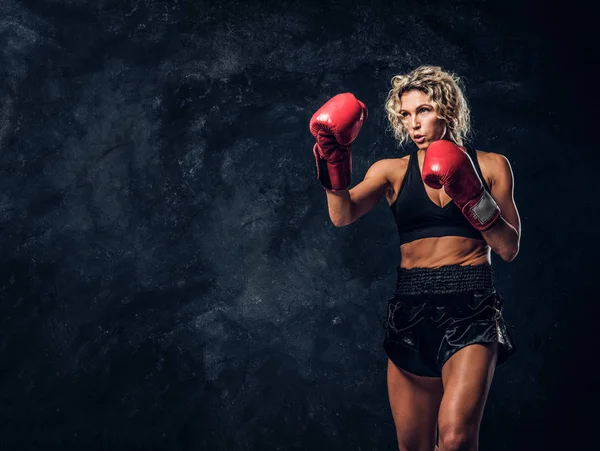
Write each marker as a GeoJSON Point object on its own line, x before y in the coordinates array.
{"type": "Point", "coordinates": [485, 208]}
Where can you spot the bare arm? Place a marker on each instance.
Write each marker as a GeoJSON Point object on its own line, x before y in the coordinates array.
{"type": "Point", "coordinates": [505, 235]}
{"type": "Point", "coordinates": [347, 206]}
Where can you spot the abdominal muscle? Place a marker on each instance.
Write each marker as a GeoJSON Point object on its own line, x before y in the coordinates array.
{"type": "Point", "coordinates": [443, 251]}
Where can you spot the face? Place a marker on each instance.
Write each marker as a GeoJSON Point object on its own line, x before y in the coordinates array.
{"type": "Point", "coordinates": [419, 118]}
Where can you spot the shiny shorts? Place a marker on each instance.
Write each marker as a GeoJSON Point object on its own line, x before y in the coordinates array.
{"type": "Point", "coordinates": [436, 312]}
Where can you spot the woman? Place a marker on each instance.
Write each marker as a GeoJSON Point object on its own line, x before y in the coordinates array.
{"type": "Point", "coordinates": [452, 205]}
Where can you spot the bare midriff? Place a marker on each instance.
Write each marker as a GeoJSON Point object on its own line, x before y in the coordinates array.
{"type": "Point", "coordinates": [443, 251]}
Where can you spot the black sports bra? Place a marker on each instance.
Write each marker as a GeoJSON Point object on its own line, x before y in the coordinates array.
{"type": "Point", "coordinates": [418, 217]}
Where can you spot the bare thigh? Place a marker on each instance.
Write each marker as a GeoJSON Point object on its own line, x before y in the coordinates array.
{"type": "Point", "coordinates": [467, 377]}
{"type": "Point", "coordinates": [415, 401]}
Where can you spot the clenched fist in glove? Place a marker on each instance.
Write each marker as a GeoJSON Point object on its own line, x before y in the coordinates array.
{"type": "Point", "coordinates": [449, 166]}
{"type": "Point", "coordinates": [335, 125]}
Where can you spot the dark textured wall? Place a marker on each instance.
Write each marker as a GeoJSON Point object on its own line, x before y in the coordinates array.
{"type": "Point", "coordinates": [169, 276]}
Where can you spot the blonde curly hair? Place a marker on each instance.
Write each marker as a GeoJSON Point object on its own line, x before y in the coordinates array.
{"type": "Point", "coordinates": [445, 93]}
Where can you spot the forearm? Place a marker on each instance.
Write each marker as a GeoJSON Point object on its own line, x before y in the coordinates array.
{"type": "Point", "coordinates": [340, 207]}
{"type": "Point", "coordinates": [503, 238]}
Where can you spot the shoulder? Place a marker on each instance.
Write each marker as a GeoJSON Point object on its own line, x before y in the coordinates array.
{"type": "Point", "coordinates": [491, 156]}
{"type": "Point", "coordinates": [388, 167]}
{"type": "Point", "coordinates": [494, 166]}
{"type": "Point", "coordinates": [392, 170]}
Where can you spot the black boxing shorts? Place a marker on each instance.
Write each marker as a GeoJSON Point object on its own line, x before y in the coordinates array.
{"type": "Point", "coordinates": [437, 311]}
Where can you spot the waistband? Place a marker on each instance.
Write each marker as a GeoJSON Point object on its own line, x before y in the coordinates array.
{"type": "Point", "coordinates": [446, 279]}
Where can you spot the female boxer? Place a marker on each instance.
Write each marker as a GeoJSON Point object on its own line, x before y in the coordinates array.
{"type": "Point", "coordinates": [452, 205]}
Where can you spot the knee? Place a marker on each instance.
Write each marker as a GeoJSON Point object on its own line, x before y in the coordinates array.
{"type": "Point", "coordinates": [457, 439]}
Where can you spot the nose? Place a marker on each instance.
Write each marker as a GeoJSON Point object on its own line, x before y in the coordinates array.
{"type": "Point", "coordinates": [415, 123]}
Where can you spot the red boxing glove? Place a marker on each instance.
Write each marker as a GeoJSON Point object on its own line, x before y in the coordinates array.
{"type": "Point", "coordinates": [335, 125]}
{"type": "Point", "coordinates": [449, 166]}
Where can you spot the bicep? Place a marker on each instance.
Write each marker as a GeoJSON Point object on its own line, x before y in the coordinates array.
{"type": "Point", "coordinates": [502, 191]}
{"type": "Point", "coordinates": [369, 192]}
